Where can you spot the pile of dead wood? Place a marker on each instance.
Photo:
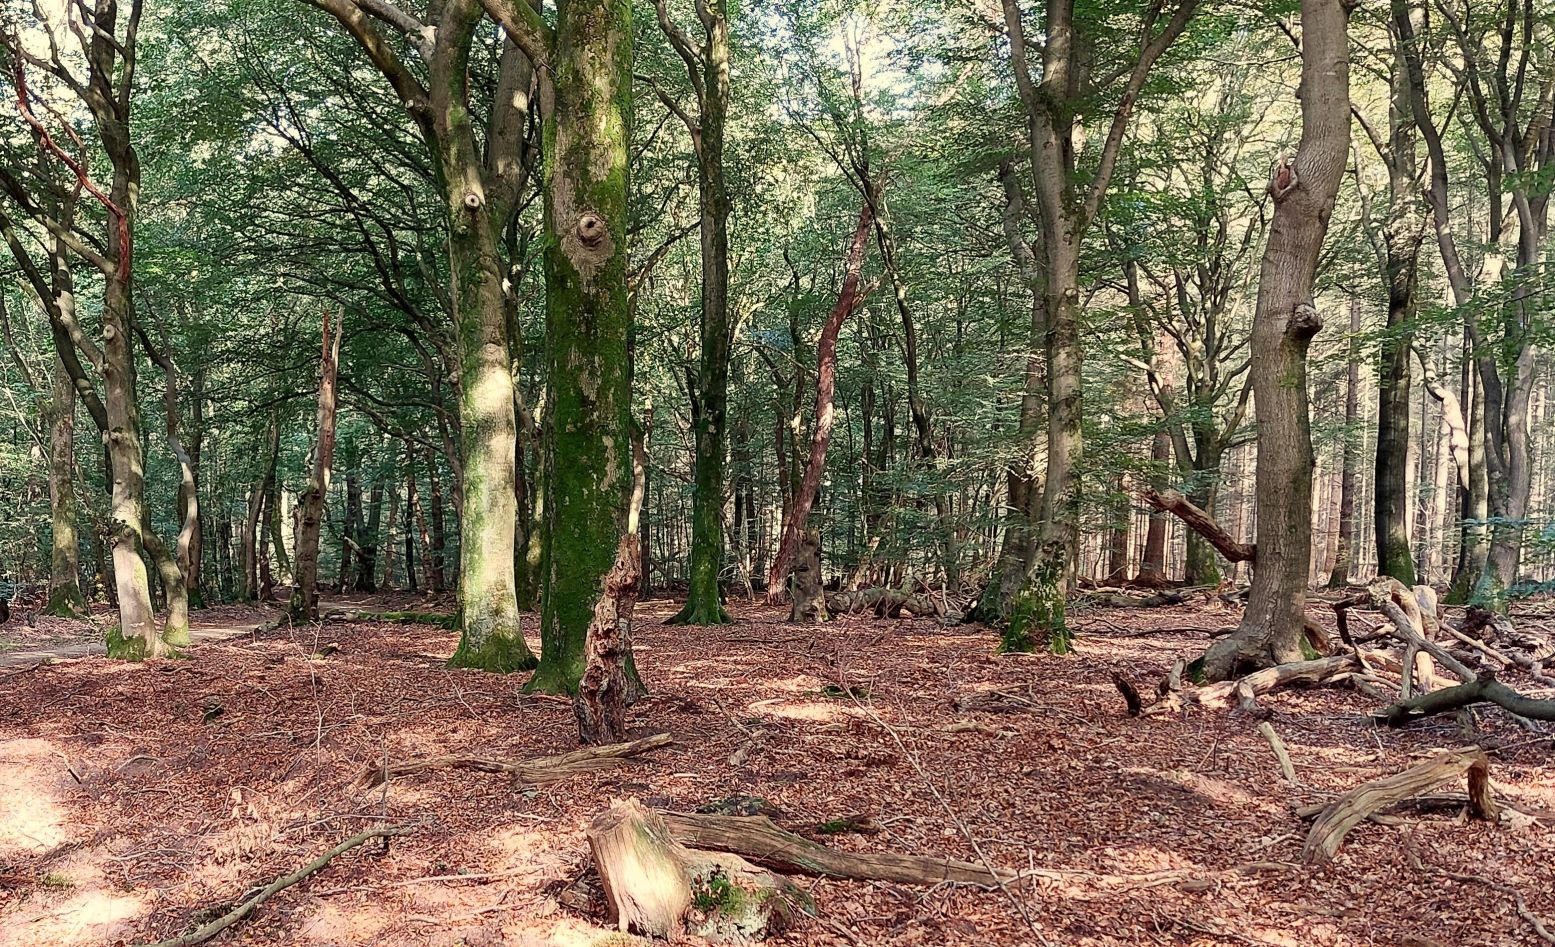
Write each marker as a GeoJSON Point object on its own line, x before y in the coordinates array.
{"type": "Point", "coordinates": [1416, 661]}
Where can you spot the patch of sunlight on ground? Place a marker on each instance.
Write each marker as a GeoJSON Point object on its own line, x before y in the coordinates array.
{"type": "Point", "coordinates": [807, 711]}
{"type": "Point", "coordinates": [333, 923]}
{"type": "Point", "coordinates": [33, 778]}
{"type": "Point", "coordinates": [69, 919]}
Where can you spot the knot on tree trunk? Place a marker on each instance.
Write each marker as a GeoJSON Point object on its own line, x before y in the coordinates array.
{"type": "Point", "coordinates": [591, 231]}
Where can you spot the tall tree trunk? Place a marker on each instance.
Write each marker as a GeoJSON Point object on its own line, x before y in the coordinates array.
{"type": "Point", "coordinates": [65, 598]}
{"type": "Point", "coordinates": [350, 527]}
{"type": "Point", "coordinates": [1152, 563]}
{"type": "Point", "coordinates": [1344, 555]}
{"type": "Point", "coordinates": [1283, 326]}
{"type": "Point", "coordinates": [389, 547]}
{"type": "Point", "coordinates": [709, 71]}
{"type": "Point", "coordinates": [848, 299]}
{"type": "Point", "coordinates": [437, 543]}
{"type": "Point", "coordinates": [304, 604]}
{"type": "Point", "coordinates": [586, 102]}
{"type": "Point", "coordinates": [367, 536]}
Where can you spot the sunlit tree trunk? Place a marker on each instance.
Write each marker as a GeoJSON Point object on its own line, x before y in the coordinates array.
{"type": "Point", "coordinates": [1284, 323]}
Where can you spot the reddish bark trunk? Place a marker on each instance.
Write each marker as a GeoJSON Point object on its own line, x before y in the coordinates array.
{"type": "Point", "coordinates": [825, 387]}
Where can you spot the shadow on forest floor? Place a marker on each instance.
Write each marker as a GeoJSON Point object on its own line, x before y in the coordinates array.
{"type": "Point", "coordinates": [135, 798]}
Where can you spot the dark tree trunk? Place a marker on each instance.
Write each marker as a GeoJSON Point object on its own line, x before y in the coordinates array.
{"type": "Point", "coordinates": [304, 604]}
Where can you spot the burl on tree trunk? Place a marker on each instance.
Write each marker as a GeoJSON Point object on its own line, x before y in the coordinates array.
{"type": "Point", "coordinates": [658, 887]}
{"type": "Point", "coordinates": [600, 702]}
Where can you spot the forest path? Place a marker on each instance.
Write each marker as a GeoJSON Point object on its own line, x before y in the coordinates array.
{"type": "Point", "coordinates": [47, 640]}
{"type": "Point", "coordinates": [203, 629]}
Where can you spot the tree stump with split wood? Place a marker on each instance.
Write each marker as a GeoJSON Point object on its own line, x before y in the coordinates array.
{"type": "Point", "coordinates": [600, 703]}
{"type": "Point", "coordinates": [657, 887]}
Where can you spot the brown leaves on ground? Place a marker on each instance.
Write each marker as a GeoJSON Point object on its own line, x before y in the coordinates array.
{"type": "Point", "coordinates": [128, 813]}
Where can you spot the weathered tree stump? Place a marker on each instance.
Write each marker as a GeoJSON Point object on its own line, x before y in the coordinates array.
{"type": "Point", "coordinates": [1365, 800]}
{"type": "Point", "coordinates": [808, 595]}
{"type": "Point", "coordinates": [600, 703]}
{"type": "Point", "coordinates": [657, 887]}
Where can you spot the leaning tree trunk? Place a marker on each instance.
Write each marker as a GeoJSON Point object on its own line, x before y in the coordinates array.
{"type": "Point", "coordinates": [586, 100]}
{"type": "Point", "coordinates": [65, 598]}
{"type": "Point", "coordinates": [305, 594]}
{"type": "Point", "coordinates": [1344, 556]}
{"type": "Point", "coordinates": [1284, 323]}
{"type": "Point", "coordinates": [848, 299]}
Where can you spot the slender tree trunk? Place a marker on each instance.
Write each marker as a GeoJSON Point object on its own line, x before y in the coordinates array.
{"type": "Point", "coordinates": [848, 299]}
{"type": "Point", "coordinates": [65, 598]}
{"type": "Point", "coordinates": [350, 527]}
{"type": "Point", "coordinates": [1283, 326]}
{"type": "Point", "coordinates": [586, 102]}
{"type": "Point", "coordinates": [437, 545]}
{"type": "Point", "coordinates": [710, 387]}
{"type": "Point", "coordinates": [389, 546]}
{"type": "Point", "coordinates": [1152, 563]}
{"type": "Point", "coordinates": [367, 536]}
{"type": "Point", "coordinates": [305, 594]}
{"type": "Point", "coordinates": [1343, 556]}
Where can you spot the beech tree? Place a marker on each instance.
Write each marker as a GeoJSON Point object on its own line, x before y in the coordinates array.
{"type": "Point", "coordinates": [1304, 189]}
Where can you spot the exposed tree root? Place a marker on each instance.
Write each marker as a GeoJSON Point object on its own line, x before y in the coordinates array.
{"type": "Point", "coordinates": [763, 842]}
{"type": "Point", "coordinates": [535, 772]}
{"type": "Point", "coordinates": [204, 933]}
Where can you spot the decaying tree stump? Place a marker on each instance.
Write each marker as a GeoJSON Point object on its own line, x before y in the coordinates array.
{"type": "Point", "coordinates": [805, 583]}
{"type": "Point", "coordinates": [658, 887]}
{"type": "Point", "coordinates": [1360, 803]}
{"type": "Point", "coordinates": [600, 703]}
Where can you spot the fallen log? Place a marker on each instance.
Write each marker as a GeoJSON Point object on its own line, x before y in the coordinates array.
{"type": "Point", "coordinates": [658, 887]}
{"type": "Point", "coordinates": [1360, 803]}
{"type": "Point", "coordinates": [1483, 689]}
{"type": "Point", "coordinates": [535, 772]}
{"type": "Point", "coordinates": [763, 842]}
{"type": "Point", "coordinates": [883, 602]}
{"type": "Point", "coordinates": [1247, 689]}
{"type": "Point", "coordinates": [207, 931]}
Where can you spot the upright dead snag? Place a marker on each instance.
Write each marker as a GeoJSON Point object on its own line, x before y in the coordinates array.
{"type": "Point", "coordinates": [600, 702]}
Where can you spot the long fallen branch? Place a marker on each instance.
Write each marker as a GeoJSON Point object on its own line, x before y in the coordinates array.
{"type": "Point", "coordinates": [535, 772]}
{"type": "Point", "coordinates": [763, 842]}
{"type": "Point", "coordinates": [1365, 800]}
{"type": "Point", "coordinates": [1484, 689]}
{"type": "Point", "coordinates": [204, 933]}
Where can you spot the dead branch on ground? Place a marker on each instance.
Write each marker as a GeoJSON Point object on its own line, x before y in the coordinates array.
{"type": "Point", "coordinates": [535, 772]}
{"type": "Point", "coordinates": [1355, 806]}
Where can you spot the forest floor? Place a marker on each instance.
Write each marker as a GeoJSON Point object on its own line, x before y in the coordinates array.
{"type": "Point", "coordinates": [138, 800]}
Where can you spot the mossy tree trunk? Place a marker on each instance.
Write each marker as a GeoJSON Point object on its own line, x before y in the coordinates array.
{"type": "Point", "coordinates": [1283, 326]}
{"type": "Point", "coordinates": [1067, 200]}
{"type": "Point", "coordinates": [586, 102]}
{"type": "Point", "coordinates": [65, 598]}
{"type": "Point", "coordinates": [707, 67]}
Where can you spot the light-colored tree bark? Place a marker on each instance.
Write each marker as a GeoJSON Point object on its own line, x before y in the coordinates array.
{"type": "Point", "coordinates": [1304, 189]}
{"type": "Point", "coordinates": [305, 594]}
